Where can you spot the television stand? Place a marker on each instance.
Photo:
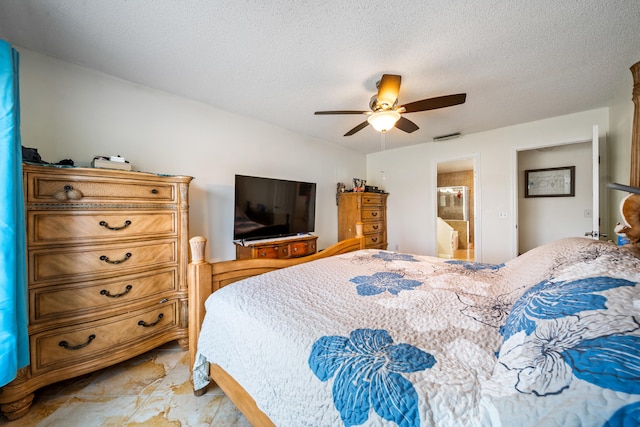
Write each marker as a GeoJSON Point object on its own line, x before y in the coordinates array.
{"type": "Point", "coordinates": [277, 248]}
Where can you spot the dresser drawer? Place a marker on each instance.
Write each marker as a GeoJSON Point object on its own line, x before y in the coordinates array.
{"type": "Point", "coordinates": [78, 227]}
{"type": "Point", "coordinates": [374, 240]}
{"type": "Point", "coordinates": [372, 215]}
{"type": "Point", "coordinates": [99, 261]}
{"type": "Point", "coordinates": [60, 303]}
{"type": "Point", "coordinates": [372, 227]}
{"type": "Point", "coordinates": [372, 200]}
{"type": "Point", "coordinates": [303, 248]}
{"type": "Point", "coordinates": [280, 251]}
{"type": "Point", "coordinates": [46, 188]}
{"type": "Point", "coordinates": [88, 342]}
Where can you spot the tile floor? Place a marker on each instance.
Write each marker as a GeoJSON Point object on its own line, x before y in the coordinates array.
{"type": "Point", "coordinates": [153, 389]}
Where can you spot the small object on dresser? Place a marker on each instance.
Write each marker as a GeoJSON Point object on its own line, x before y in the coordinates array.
{"type": "Point", "coordinates": [359, 184]}
{"type": "Point", "coordinates": [109, 163]}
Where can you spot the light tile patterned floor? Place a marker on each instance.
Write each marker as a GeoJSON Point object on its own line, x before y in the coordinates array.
{"type": "Point", "coordinates": [153, 389]}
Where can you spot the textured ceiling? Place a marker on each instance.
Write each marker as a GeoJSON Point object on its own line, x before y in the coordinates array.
{"type": "Point", "coordinates": [279, 61]}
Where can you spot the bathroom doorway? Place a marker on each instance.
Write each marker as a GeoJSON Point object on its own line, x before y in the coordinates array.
{"type": "Point", "coordinates": [456, 209]}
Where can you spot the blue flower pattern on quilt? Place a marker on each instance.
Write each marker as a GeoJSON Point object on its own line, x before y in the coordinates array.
{"type": "Point", "coordinates": [381, 282]}
{"type": "Point", "coordinates": [567, 335]}
{"type": "Point", "coordinates": [393, 256]}
{"type": "Point", "coordinates": [611, 362]}
{"type": "Point", "coordinates": [627, 416]}
{"type": "Point", "coordinates": [475, 266]}
{"type": "Point", "coordinates": [368, 369]}
{"type": "Point", "coordinates": [553, 300]}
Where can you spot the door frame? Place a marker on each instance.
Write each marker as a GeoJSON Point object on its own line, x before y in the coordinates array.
{"type": "Point", "coordinates": [515, 180]}
{"type": "Point", "coordinates": [477, 205]}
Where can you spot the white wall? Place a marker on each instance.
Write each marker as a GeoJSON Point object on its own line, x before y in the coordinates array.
{"type": "Point", "coordinates": [545, 219]}
{"type": "Point", "coordinates": [410, 180]}
{"type": "Point", "coordinates": [71, 112]}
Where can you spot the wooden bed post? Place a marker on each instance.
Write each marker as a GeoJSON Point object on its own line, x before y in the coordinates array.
{"type": "Point", "coordinates": [634, 179]}
{"type": "Point", "coordinates": [199, 283]}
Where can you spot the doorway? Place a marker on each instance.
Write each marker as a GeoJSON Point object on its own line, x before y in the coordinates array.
{"type": "Point", "coordinates": [456, 209]}
{"type": "Point", "coordinates": [545, 219]}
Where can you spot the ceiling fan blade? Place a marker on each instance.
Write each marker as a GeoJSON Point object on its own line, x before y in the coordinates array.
{"type": "Point", "coordinates": [435, 103]}
{"type": "Point", "coordinates": [388, 90]}
{"type": "Point", "coordinates": [319, 113]}
{"type": "Point", "coordinates": [357, 128]}
{"type": "Point", "coordinates": [406, 125]}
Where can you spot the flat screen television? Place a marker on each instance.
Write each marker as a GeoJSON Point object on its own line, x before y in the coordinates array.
{"type": "Point", "coordinates": [268, 207]}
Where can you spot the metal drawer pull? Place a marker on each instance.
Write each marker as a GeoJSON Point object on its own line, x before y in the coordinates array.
{"type": "Point", "coordinates": [108, 261]}
{"type": "Point", "coordinates": [375, 227]}
{"type": "Point", "coordinates": [154, 191]}
{"type": "Point", "coordinates": [148, 325]}
{"type": "Point", "coordinates": [107, 294]}
{"type": "Point", "coordinates": [106, 225]}
{"type": "Point", "coordinates": [374, 213]}
{"type": "Point", "coordinates": [374, 239]}
{"type": "Point", "coordinates": [77, 347]}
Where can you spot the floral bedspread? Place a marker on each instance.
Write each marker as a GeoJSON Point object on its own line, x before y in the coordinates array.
{"type": "Point", "coordinates": [372, 338]}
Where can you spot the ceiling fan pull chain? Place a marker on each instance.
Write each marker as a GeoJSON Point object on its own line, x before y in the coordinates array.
{"type": "Point", "coordinates": [383, 142]}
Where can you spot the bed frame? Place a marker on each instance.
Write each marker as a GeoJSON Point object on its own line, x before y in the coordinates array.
{"type": "Point", "coordinates": [205, 278]}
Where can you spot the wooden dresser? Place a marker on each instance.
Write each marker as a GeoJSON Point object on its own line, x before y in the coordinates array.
{"type": "Point", "coordinates": [107, 255]}
{"type": "Point", "coordinates": [368, 208]}
{"type": "Point", "coordinates": [278, 248]}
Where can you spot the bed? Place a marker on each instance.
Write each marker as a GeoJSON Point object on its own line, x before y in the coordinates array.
{"type": "Point", "coordinates": [353, 336]}
{"type": "Point", "coordinates": [371, 337]}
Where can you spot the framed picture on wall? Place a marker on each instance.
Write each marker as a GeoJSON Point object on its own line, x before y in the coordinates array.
{"type": "Point", "coordinates": [551, 182]}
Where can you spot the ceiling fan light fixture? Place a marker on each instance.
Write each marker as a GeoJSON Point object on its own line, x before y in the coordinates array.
{"type": "Point", "coordinates": [385, 112]}
{"type": "Point", "coordinates": [382, 121]}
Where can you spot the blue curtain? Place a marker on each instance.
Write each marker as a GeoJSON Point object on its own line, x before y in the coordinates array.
{"type": "Point", "coordinates": [14, 339]}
